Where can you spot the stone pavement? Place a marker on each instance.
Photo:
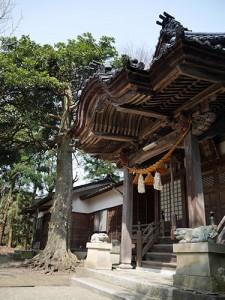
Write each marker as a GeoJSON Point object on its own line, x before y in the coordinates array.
{"type": "Point", "coordinates": [49, 293]}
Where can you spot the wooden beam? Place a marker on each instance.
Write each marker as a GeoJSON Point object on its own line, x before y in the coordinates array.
{"type": "Point", "coordinates": [113, 137]}
{"type": "Point", "coordinates": [217, 87]}
{"type": "Point", "coordinates": [141, 155]}
{"type": "Point", "coordinates": [164, 78]}
{"type": "Point", "coordinates": [141, 112]}
{"type": "Point", "coordinates": [151, 129]}
{"type": "Point", "coordinates": [200, 73]}
{"type": "Point", "coordinates": [164, 144]}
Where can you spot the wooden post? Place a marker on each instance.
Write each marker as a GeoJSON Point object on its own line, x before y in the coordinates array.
{"type": "Point", "coordinates": [139, 246]}
{"type": "Point", "coordinates": [212, 218]}
{"type": "Point", "coordinates": [157, 215]}
{"type": "Point", "coordinates": [195, 197]}
{"type": "Point", "coordinates": [173, 215]}
{"type": "Point", "coordinates": [127, 219]}
{"type": "Point", "coordinates": [162, 224]}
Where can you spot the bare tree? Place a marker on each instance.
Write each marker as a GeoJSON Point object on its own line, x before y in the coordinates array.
{"type": "Point", "coordinates": [141, 53]}
{"type": "Point", "coordinates": [7, 24]}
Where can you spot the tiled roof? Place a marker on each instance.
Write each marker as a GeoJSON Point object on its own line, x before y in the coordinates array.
{"type": "Point", "coordinates": [121, 111]}
{"type": "Point", "coordinates": [172, 31]}
{"type": "Point", "coordinates": [101, 190]}
{"type": "Point", "coordinates": [100, 187]}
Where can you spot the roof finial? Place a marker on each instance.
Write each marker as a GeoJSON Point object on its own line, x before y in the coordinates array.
{"type": "Point", "coordinates": [165, 19]}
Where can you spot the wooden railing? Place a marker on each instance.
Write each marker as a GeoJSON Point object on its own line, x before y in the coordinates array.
{"type": "Point", "coordinates": [145, 237]}
{"type": "Point", "coordinates": [221, 230]}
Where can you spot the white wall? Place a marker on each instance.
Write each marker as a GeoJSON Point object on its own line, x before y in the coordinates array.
{"type": "Point", "coordinates": [103, 201]}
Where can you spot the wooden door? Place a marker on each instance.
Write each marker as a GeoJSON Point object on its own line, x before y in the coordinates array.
{"type": "Point", "coordinates": [166, 203]}
{"type": "Point", "coordinates": [143, 206]}
{"type": "Point", "coordinates": [213, 178]}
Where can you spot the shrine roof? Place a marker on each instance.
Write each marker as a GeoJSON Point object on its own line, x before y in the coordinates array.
{"type": "Point", "coordinates": [122, 111]}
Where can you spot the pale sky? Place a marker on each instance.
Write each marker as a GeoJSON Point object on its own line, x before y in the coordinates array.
{"type": "Point", "coordinates": [130, 22]}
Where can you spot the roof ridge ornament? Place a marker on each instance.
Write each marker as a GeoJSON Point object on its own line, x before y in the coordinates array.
{"type": "Point", "coordinates": [170, 27]}
{"type": "Point", "coordinates": [133, 63]}
{"type": "Point", "coordinates": [171, 31]}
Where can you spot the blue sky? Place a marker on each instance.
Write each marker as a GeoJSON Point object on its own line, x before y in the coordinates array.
{"type": "Point", "coordinates": [129, 22]}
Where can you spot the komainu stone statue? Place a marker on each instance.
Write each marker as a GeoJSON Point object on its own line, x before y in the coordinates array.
{"type": "Point", "coordinates": [196, 235]}
{"type": "Point", "coordinates": [100, 238]}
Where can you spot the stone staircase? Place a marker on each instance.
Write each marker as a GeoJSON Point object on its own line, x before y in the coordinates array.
{"type": "Point", "coordinates": [125, 284]}
{"type": "Point", "coordinates": [161, 255]}
{"type": "Point", "coordinates": [136, 284]}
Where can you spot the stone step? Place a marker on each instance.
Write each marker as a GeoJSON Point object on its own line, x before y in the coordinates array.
{"type": "Point", "coordinates": [161, 257]}
{"type": "Point", "coordinates": [162, 248]}
{"type": "Point", "coordinates": [166, 240]}
{"type": "Point", "coordinates": [111, 291]}
{"type": "Point", "coordinates": [148, 284]}
{"type": "Point", "coordinates": [135, 284]}
{"type": "Point", "coordinates": [159, 265]}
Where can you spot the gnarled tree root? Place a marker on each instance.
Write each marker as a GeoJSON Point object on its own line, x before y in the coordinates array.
{"type": "Point", "coordinates": [50, 262]}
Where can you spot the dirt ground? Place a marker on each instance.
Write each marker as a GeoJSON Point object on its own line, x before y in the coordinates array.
{"type": "Point", "coordinates": [12, 274]}
{"type": "Point", "coordinates": [19, 283]}
{"type": "Point", "coordinates": [5, 250]}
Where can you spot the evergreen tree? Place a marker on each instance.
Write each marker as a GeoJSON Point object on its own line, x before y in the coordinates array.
{"type": "Point", "coordinates": [98, 169]}
{"type": "Point", "coordinates": [40, 86]}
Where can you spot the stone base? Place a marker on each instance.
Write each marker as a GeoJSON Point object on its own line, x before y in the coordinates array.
{"type": "Point", "coordinates": [200, 266]}
{"type": "Point", "coordinates": [98, 256]}
{"type": "Point", "coordinates": [125, 266]}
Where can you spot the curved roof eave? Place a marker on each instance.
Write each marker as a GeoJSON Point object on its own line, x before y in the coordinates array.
{"type": "Point", "coordinates": [96, 92]}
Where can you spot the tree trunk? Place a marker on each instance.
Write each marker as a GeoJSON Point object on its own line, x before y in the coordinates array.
{"type": "Point", "coordinates": [10, 237]}
{"type": "Point", "coordinates": [5, 214]}
{"type": "Point", "coordinates": [57, 255]}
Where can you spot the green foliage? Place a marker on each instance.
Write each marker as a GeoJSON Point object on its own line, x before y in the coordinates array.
{"type": "Point", "coordinates": [33, 82]}
{"type": "Point", "coordinates": [20, 223]}
{"type": "Point", "coordinates": [98, 169]}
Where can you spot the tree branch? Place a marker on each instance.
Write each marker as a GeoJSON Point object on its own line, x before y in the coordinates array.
{"type": "Point", "coordinates": [55, 117]}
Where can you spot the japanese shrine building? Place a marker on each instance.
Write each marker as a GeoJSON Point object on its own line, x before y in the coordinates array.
{"type": "Point", "coordinates": [134, 117]}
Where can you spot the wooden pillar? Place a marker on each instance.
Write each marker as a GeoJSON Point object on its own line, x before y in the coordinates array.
{"type": "Point", "coordinates": [139, 247]}
{"type": "Point", "coordinates": [127, 218]}
{"type": "Point", "coordinates": [157, 212]}
{"type": "Point", "coordinates": [195, 197]}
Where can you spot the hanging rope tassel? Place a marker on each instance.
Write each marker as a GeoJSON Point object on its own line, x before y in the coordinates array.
{"type": "Point", "coordinates": [157, 182]}
{"type": "Point", "coordinates": [149, 179]}
{"type": "Point", "coordinates": [136, 179]}
{"type": "Point", "coordinates": [162, 169]}
{"type": "Point", "coordinates": [141, 184]}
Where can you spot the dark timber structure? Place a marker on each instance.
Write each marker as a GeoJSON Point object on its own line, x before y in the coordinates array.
{"type": "Point", "coordinates": [121, 112]}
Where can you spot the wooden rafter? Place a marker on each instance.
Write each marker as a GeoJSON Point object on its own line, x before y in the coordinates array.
{"type": "Point", "coordinates": [199, 98]}
{"type": "Point", "coordinates": [114, 137]}
{"type": "Point", "coordinates": [141, 112]}
{"type": "Point", "coordinates": [147, 131]}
